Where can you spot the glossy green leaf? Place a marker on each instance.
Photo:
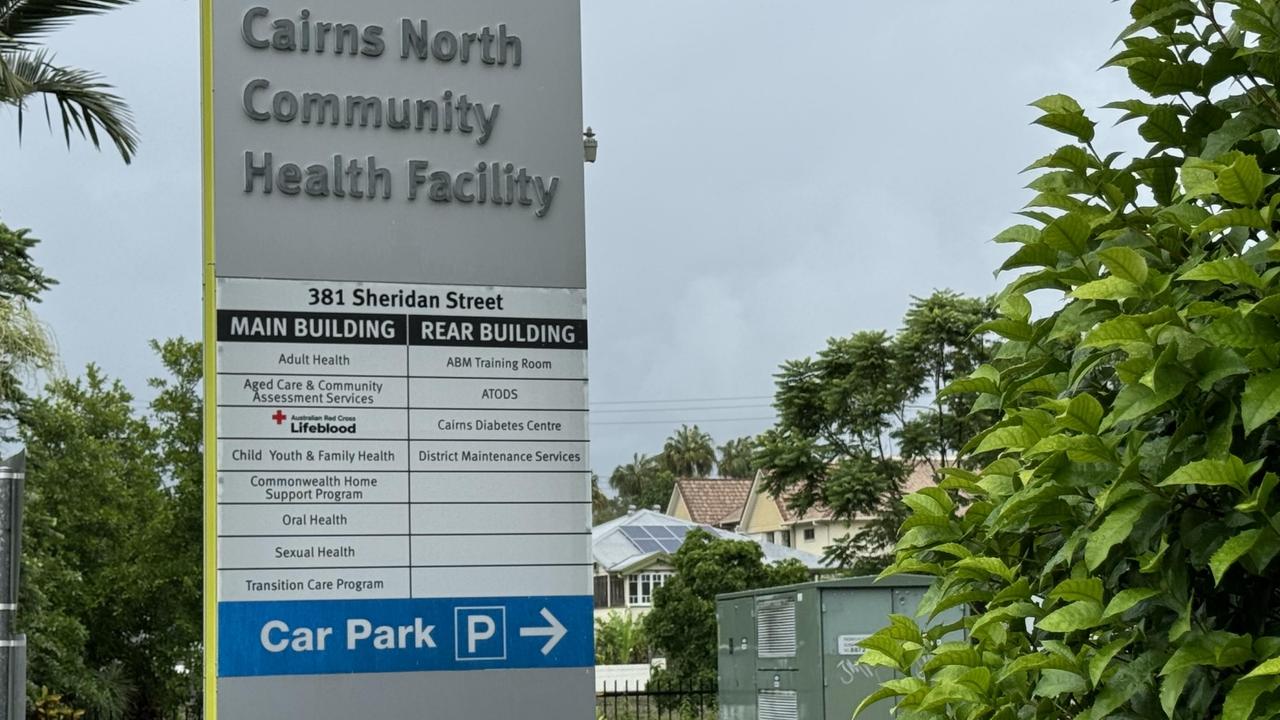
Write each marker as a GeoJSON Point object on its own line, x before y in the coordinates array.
{"type": "Point", "coordinates": [970, 385]}
{"type": "Point", "coordinates": [1019, 234]}
{"type": "Point", "coordinates": [1171, 687]}
{"type": "Point", "coordinates": [1244, 217]}
{"type": "Point", "coordinates": [1008, 438]}
{"type": "Point", "coordinates": [1163, 127]}
{"type": "Point", "coordinates": [1007, 328]}
{"type": "Point", "coordinates": [1242, 183]}
{"type": "Point", "coordinates": [1101, 659]}
{"type": "Point", "coordinates": [1126, 600]}
{"type": "Point", "coordinates": [1198, 180]}
{"type": "Point", "coordinates": [1034, 255]}
{"type": "Point", "coordinates": [1108, 288]}
{"type": "Point", "coordinates": [986, 566]}
{"type": "Point", "coordinates": [1077, 616]}
{"type": "Point", "coordinates": [1238, 331]}
{"type": "Point", "coordinates": [1216, 364]}
{"type": "Point", "coordinates": [1231, 551]}
{"type": "Point", "coordinates": [1067, 157]}
{"type": "Point", "coordinates": [1243, 697]}
{"type": "Point", "coordinates": [1126, 264]}
{"type": "Point", "coordinates": [1059, 682]}
{"type": "Point", "coordinates": [1270, 667]}
{"type": "Point", "coordinates": [1017, 307]}
{"type": "Point", "coordinates": [1068, 234]}
{"type": "Point", "coordinates": [1165, 12]}
{"type": "Point", "coordinates": [1261, 401]}
{"type": "Point", "coordinates": [888, 689]}
{"type": "Point", "coordinates": [1115, 529]}
{"type": "Point", "coordinates": [1084, 414]}
{"type": "Point", "coordinates": [1230, 472]}
{"type": "Point", "coordinates": [943, 695]}
{"type": "Point", "coordinates": [1259, 502]}
{"type": "Point", "coordinates": [1232, 131]}
{"type": "Point", "coordinates": [1078, 589]}
{"type": "Point", "coordinates": [1229, 271]}
{"type": "Point", "coordinates": [930, 501]}
{"type": "Point", "coordinates": [1058, 104]}
{"type": "Point", "coordinates": [1074, 124]}
{"type": "Point", "coordinates": [1123, 332]}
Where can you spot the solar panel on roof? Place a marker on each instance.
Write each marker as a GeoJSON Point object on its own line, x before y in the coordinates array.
{"type": "Point", "coordinates": [659, 531]}
{"type": "Point", "coordinates": [648, 546]}
{"type": "Point", "coordinates": [670, 545]}
{"type": "Point", "coordinates": [636, 533]}
{"type": "Point", "coordinates": [679, 530]}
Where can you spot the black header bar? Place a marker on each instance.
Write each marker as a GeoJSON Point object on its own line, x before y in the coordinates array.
{"type": "Point", "coordinates": [257, 326]}
{"type": "Point", "coordinates": [531, 333]}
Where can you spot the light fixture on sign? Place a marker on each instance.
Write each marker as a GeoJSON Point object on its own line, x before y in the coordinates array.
{"type": "Point", "coordinates": [590, 146]}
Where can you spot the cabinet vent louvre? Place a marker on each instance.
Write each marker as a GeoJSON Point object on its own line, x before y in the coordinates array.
{"type": "Point", "coordinates": [779, 705]}
{"type": "Point", "coordinates": [776, 624]}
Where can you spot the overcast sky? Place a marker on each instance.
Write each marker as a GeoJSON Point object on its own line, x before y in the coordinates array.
{"type": "Point", "coordinates": [771, 174]}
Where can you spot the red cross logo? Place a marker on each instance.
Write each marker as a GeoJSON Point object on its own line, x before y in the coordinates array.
{"type": "Point", "coordinates": [279, 417]}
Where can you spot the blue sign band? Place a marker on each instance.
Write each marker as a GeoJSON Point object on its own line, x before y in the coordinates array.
{"type": "Point", "coordinates": [379, 636]}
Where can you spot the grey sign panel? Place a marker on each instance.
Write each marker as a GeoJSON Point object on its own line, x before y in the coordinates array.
{"type": "Point", "coordinates": [504, 125]}
{"type": "Point", "coordinates": [534, 694]}
{"type": "Point", "coordinates": [402, 516]}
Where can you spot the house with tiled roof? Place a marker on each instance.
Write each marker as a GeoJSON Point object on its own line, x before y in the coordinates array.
{"type": "Point", "coordinates": [770, 518]}
{"type": "Point", "coordinates": [717, 502]}
{"type": "Point", "coordinates": [744, 507]}
{"type": "Point", "coordinates": [632, 557]}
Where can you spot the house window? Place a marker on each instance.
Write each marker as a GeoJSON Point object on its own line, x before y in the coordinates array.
{"type": "Point", "coordinates": [768, 537]}
{"type": "Point", "coordinates": [610, 591]}
{"type": "Point", "coordinates": [640, 587]}
{"type": "Point", "coordinates": [810, 534]}
{"type": "Point", "coordinates": [786, 538]}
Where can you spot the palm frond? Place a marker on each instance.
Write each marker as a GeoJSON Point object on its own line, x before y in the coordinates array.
{"type": "Point", "coordinates": [20, 18]}
{"type": "Point", "coordinates": [85, 103]}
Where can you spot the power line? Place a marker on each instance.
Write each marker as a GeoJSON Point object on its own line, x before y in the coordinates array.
{"type": "Point", "coordinates": [682, 400]}
{"type": "Point", "coordinates": [683, 422]}
{"type": "Point", "coordinates": [682, 409]}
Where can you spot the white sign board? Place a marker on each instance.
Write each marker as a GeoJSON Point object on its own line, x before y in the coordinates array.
{"type": "Point", "coordinates": [848, 645]}
{"type": "Point", "coordinates": [399, 511]}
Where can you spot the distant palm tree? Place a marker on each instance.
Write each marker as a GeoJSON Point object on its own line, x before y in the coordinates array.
{"type": "Point", "coordinates": [630, 479]}
{"type": "Point", "coordinates": [689, 453]}
{"type": "Point", "coordinates": [737, 458]}
{"type": "Point", "coordinates": [84, 101]}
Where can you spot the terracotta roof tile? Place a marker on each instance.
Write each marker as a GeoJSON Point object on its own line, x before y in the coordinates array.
{"type": "Point", "coordinates": [921, 477]}
{"type": "Point", "coordinates": [715, 501]}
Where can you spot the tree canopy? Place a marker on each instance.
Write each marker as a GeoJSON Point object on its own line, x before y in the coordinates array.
{"type": "Point", "coordinates": [26, 345]}
{"type": "Point", "coordinates": [689, 452]}
{"type": "Point", "coordinates": [682, 624]}
{"type": "Point", "coordinates": [737, 458]}
{"type": "Point", "coordinates": [1127, 501]}
{"type": "Point", "coordinates": [85, 103]}
{"type": "Point", "coordinates": [110, 597]}
{"type": "Point", "coordinates": [851, 428]}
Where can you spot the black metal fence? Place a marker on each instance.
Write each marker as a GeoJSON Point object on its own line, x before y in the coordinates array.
{"type": "Point", "coordinates": [657, 701]}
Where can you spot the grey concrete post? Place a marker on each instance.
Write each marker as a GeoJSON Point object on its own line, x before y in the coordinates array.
{"type": "Point", "coordinates": [13, 648]}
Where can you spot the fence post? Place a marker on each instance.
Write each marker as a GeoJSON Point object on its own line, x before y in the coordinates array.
{"type": "Point", "coordinates": [13, 648]}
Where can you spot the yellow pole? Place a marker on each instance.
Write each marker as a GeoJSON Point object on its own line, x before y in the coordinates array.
{"type": "Point", "coordinates": [210, 371]}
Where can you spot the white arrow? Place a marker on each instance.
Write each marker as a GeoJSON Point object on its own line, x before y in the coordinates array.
{"type": "Point", "coordinates": [554, 632]}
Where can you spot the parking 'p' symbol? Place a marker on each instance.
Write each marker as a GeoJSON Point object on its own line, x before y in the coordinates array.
{"type": "Point", "coordinates": [479, 627]}
{"type": "Point", "coordinates": [480, 633]}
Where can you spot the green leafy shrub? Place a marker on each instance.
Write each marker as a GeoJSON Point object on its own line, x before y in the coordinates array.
{"type": "Point", "coordinates": [620, 640]}
{"type": "Point", "coordinates": [682, 624]}
{"type": "Point", "coordinates": [49, 706]}
{"type": "Point", "coordinates": [1132, 509]}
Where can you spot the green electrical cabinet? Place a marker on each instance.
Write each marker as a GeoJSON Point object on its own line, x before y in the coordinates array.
{"type": "Point", "coordinates": [791, 653]}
